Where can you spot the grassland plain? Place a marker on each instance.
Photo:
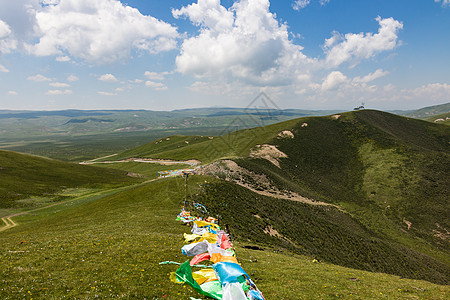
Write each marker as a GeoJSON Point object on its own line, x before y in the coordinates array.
{"type": "Point", "coordinates": [110, 247]}
{"type": "Point", "coordinates": [76, 148]}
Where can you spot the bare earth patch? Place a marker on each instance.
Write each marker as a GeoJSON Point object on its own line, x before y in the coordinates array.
{"type": "Point", "coordinates": [441, 233]}
{"type": "Point", "coordinates": [271, 231]}
{"type": "Point", "coordinates": [268, 152]}
{"type": "Point", "coordinates": [286, 134]}
{"type": "Point", "coordinates": [260, 184]}
{"type": "Point", "coordinates": [408, 223]}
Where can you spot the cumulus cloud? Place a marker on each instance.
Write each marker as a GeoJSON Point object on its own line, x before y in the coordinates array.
{"type": "Point", "coordinates": [108, 78]}
{"type": "Point", "coordinates": [58, 92]}
{"type": "Point", "coordinates": [72, 78]}
{"type": "Point", "coordinates": [13, 93]}
{"type": "Point", "coordinates": [107, 94]}
{"type": "Point", "coordinates": [337, 80]}
{"type": "Point", "coordinates": [49, 2]}
{"type": "Point", "coordinates": [155, 76]}
{"type": "Point", "coordinates": [156, 85]}
{"type": "Point", "coordinates": [299, 4]}
{"type": "Point", "coordinates": [7, 41]}
{"type": "Point", "coordinates": [101, 31]}
{"type": "Point", "coordinates": [355, 47]}
{"type": "Point", "coordinates": [3, 69]}
{"type": "Point", "coordinates": [445, 3]}
{"type": "Point", "coordinates": [59, 84]}
{"type": "Point", "coordinates": [334, 80]}
{"type": "Point", "coordinates": [39, 78]}
{"type": "Point", "coordinates": [63, 58]}
{"type": "Point", "coordinates": [370, 77]}
{"type": "Point", "coordinates": [244, 42]}
{"type": "Point", "coordinates": [430, 91]}
{"type": "Point", "coordinates": [5, 30]}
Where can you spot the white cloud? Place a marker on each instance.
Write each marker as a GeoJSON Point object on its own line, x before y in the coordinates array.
{"type": "Point", "coordinates": [38, 78]}
{"type": "Point", "coordinates": [19, 17]}
{"type": "Point", "coordinates": [62, 58]}
{"type": "Point", "coordinates": [3, 69]}
{"type": "Point", "coordinates": [445, 3]}
{"type": "Point", "coordinates": [119, 89]}
{"type": "Point", "coordinates": [299, 4]}
{"type": "Point", "coordinates": [72, 78]}
{"type": "Point", "coordinates": [334, 80]}
{"type": "Point", "coordinates": [107, 94]}
{"type": "Point", "coordinates": [59, 84]}
{"type": "Point", "coordinates": [100, 31]}
{"type": "Point", "coordinates": [58, 92]}
{"type": "Point", "coordinates": [355, 47]}
{"type": "Point", "coordinates": [49, 2]}
{"type": "Point", "coordinates": [136, 81]}
{"type": "Point", "coordinates": [5, 30]}
{"type": "Point", "coordinates": [370, 77]}
{"type": "Point", "coordinates": [13, 93]}
{"type": "Point", "coordinates": [155, 75]}
{"type": "Point", "coordinates": [156, 85]}
{"type": "Point", "coordinates": [431, 91]}
{"type": "Point", "coordinates": [108, 78]}
{"type": "Point", "coordinates": [242, 43]}
{"type": "Point", "coordinates": [7, 41]}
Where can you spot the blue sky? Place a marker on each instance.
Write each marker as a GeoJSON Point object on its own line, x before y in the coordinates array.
{"type": "Point", "coordinates": [164, 55]}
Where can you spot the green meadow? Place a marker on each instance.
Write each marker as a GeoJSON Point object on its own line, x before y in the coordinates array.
{"type": "Point", "coordinates": [110, 246]}
{"type": "Point", "coordinates": [101, 230]}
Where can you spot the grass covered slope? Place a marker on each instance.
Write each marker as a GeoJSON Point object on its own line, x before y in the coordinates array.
{"type": "Point", "coordinates": [320, 232]}
{"type": "Point", "coordinates": [110, 247]}
{"type": "Point", "coordinates": [24, 175]}
{"type": "Point", "coordinates": [388, 174]}
{"type": "Point", "coordinates": [208, 149]}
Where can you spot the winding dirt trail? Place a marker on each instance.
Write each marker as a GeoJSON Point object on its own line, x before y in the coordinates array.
{"type": "Point", "coordinates": [10, 223]}
{"type": "Point", "coordinates": [191, 162]}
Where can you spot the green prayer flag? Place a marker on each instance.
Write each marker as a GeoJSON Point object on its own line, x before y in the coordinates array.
{"type": "Point", "coordinates": [211, 289]}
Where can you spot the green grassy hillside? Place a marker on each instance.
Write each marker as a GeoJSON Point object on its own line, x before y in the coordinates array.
{"type": "Point", "coordinates": [388, 174]}
{"type": "Point", "coordinates": [441, 118]}
{"type": "Point", "coordinates": [208, 149]}
{"type": "Point", "coordinates": [23, 176]}
{"type": "Point", "coordinates": [110, 247]}
{"type": "Point", "coordinates": [429, 111]}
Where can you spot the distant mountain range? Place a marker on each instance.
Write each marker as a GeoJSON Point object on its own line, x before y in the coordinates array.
{"type": "Point", "coordinates": [23, 124]}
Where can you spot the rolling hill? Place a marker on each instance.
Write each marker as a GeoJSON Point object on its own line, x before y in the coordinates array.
{"type": "Point", "coordinates": [312, 204]}
{"type": "Point", "coordinates": [111, 247]}
{"type": "Point", "coordinates": [23, 176]}
{"type": "Point", "coordinates": [384, 177]}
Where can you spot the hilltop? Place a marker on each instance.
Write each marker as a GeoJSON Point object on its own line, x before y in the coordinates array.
{"type": "Point", "coordinates": [78, 135]}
